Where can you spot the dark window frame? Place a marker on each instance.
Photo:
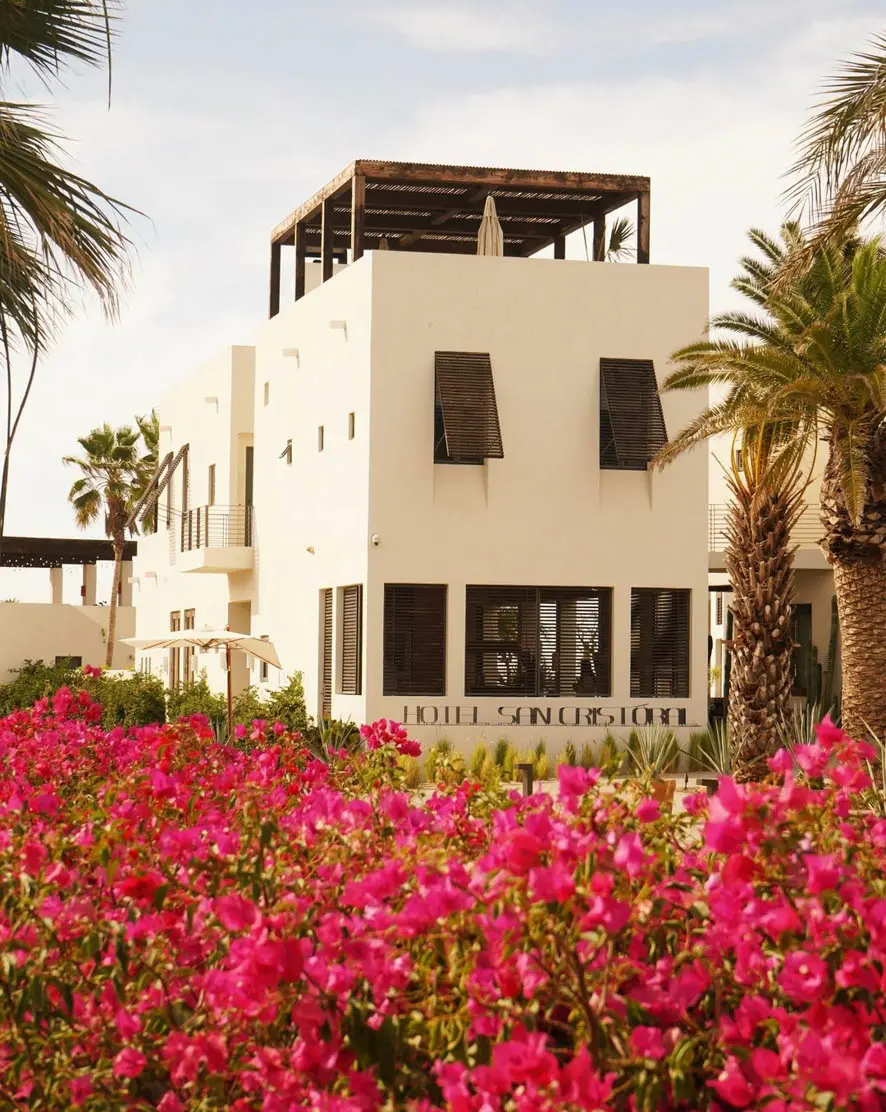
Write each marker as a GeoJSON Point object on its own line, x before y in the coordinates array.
{"type": "Point", "coordinates": [661, 657]}
{"type": "Point", "coordinates": [413, 661]}
{"type": "Point", "coordinates": [350, 679]}
{"type": "Point", "coordinates": [801, 622]}
{"type": "Point", "coordinates": [543, 653]}
{"type": "Point", "coordinates": [326, 646]}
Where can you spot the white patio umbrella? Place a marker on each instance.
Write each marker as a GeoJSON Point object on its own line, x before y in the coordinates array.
{"type": "Point", "coordinates": [490, 237]}
{"type": "Point", "coordinates": [206, 639]}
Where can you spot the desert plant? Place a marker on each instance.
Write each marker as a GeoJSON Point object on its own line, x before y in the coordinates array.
{"type": "Point", "coordinates": [588, 756]}
{"type": "Point", "coordinates": [542, 767]}
{"type": "Point", "coordinates": [714, 750]}
{"type": "Point", "coordinates": [413, 777]}
{"type": "Point", "coordinates": [437, 754]}
{"type": "Point", "coordinates": [569, 755]}
{"type": "Point", "coordinates": [611, 757]}
{"type": "Point", "coordinates": [652, 751]}
{"type": "Point", "coordinates": [500, 752]}
{"type": "Point", "coordinates": [696, 739]}
{"type": "Point", "coordinates": [478, 760]}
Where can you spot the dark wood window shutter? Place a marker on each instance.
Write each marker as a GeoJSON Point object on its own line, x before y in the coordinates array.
{"type": "Point", "coordinates": [414, 639]}
{"type": "Point", "coordinates": [552, 642]}
{"type": "Point", "coordinates": [632, 425]}
{"type": "Point", "coordinates": [326, 642]}
{"type": "Point", "coordinates": [659, 643]}
{"type": "Point", "coordinates": [466, 425]}
{"type": "Point", "coordinates": [352, 640]}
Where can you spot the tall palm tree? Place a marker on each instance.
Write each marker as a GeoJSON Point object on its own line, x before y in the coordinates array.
{"type": "Point", "coordinates": [58, 231]}
{"type": "Point", "coordinates": [840, 173]}
{"type": "Point", "coordinates": [113, 470]}
{"type": "Point", "coordinates": [813, 363]}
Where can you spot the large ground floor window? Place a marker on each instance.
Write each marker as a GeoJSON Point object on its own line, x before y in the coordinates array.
{"type": "Point", "coordinates": [415, 639]}
{"type": "Point", "coordinates": [659, 643]}
{"type": "Point", "coordinates": [553, 642]}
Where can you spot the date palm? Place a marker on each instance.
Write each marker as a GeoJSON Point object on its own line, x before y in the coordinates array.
{"type": "Point", "coordinates": [840, 174]}
{"type": "Point", "coordinates": [58, 231]}
{"type": "Point", "coordinates": [813, 362]}
{"type": "Point", "coordinates": [115, 466]}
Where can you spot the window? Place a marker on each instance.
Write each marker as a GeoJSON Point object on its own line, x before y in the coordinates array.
{"type": "Point", "coordinates": [352, 424]}
{"type": "Point", "coordinates": [267, 392]}
{"type": "Point", "coordinates": [262, 671]}
{"type": "Point", "coordinates": [326, 652]}
{"type": "Point", "coordinates": [414, 639]}
{"type": "Point", "coordinates": [659, 643]}
{"type": "Point", "coordinates": [210, 486]}
{"type": "Point", "coordinates": [321, 437]}
{"type": "Point", "coordinates": [351, 640]}
{"type": "Point", "coordinates": [553, 642]}
{"type": "Point", "coordinates": [287, 453]}
{"type": "Point", "coordinates": [719, 612]}
{"type": "Point", "coordinates": [804, 661]}
{"type": "Point", "coordinates": [175, 624]}
{"type": "Point", "coordinates": [188, 650]}
{"type": "Point", "coordinates": [466, 426]}
{"type": "Point", "coordinates": [632, 427]}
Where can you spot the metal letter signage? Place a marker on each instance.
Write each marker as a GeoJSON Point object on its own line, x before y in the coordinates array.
{"type": "Point", "coordinates": [570, 716]}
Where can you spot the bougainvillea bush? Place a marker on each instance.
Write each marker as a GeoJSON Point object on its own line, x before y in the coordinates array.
{"type": "Point", "coordinates": [189, 926]}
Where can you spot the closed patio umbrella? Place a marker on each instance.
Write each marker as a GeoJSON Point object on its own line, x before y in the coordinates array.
{"type": "Point", "coordinates": [490, 237]}
{"type": "Point", "coordinates": [211, 639]}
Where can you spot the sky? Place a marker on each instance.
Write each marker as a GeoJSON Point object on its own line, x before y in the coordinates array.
{"type": "Point", "coordinates": [225, 116]}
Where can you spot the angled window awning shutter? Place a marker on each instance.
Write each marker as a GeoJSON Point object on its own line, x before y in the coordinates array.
{"type": "Point", "coordinates": [465, 393]}
{"type": "Point", "coordinates": [632, 426]}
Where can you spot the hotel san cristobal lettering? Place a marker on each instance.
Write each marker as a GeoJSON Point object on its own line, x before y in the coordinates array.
{"type": "Point", "coordinates": [572, 716]}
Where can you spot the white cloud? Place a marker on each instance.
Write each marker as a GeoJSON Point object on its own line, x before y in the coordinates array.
{"type": "Point", "coordinates": [448, 27]}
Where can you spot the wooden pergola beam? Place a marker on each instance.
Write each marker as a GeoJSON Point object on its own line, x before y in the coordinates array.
{"type": "Point", "coordinates": [275, 280]}
{"type": "Point", "coordinates": [358, 215]}
{"type": "Point", "coordinates": [327, 236]}
{"type": "Point", "coordinates": [643, 213]}
{"type": "Point", "coordinates": [300, 242]}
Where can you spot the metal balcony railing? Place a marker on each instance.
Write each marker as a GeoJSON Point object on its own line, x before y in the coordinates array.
{"type": "Point", "coordinates": [806, 534]}
{"type": "Point", "coordinates": [216, 527]}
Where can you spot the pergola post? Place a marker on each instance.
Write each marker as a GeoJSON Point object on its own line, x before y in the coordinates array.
{"type": "Point", "coordinates": [299, 234]}
{"type": "Point", "coordinates": [599, 248]}
{"type": "Point", "coordinates": [358, 215]}
{"type": "Point", "coordinates": [643, 227]}
{"type": "Point", "coordinates": [560, 247]}
{"type": "Point", "coordinates": [327, 237]}
{"type": "Point", "coordinates": [275, 279]}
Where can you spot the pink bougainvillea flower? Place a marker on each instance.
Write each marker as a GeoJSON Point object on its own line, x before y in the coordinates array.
{"type": "Point", "coordinates": [804, 977]}
{"type": "Point", "coordinates": [520, 850]}
{"type": "Point", "coordinates": [648, 810]}
{"type": "Point", "coordinates": [733, 1086]}
{"type": "Point", "coordinates": [648, 1042]}
{"type": "Point", "coordinates": [129, 1062]}
{"type": "Point", "coordinates": [141, 887]}
{"type": "Point", "coordinates": [629, 854]}
{"type": "Point", "coordinates": [551, 884]}
{"type": "Point", "coordinates": [236, 913]}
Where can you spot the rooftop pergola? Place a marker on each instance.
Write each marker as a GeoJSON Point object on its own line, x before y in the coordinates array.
{"type": "Point", "coordinates": [421, 207]}
{"type": "Point", "coordinates": [58, 552]}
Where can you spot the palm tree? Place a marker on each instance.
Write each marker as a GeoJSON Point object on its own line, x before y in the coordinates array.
{"type": "Point", "coordinates": [114, 471]}
{"type": "Point", "coordinates": [841, 169]}
{"type": "Point", "coordinates": [813, 365]}
{"type": "Point", "coordinates": [58, 231]}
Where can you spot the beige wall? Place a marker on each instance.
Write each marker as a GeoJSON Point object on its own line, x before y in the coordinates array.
{"type": "Point", "coordinates": [43, 631]}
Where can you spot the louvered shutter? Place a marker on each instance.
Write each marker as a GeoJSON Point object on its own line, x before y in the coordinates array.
{"type": "Point", "coordinates": [659, 643]}
{"type": "Point", "coordinates": [575, 642]}
{"type": "Point", "coordinates": [351, 640]}
{"type": "Point", "coordinates": [632, 426]}
{"type": "Point", "coordinates": [466, 424]}
{"type": "Point", "coordinates": [414, 639]}
{"type": "Point", "coordinates": [326, 643]}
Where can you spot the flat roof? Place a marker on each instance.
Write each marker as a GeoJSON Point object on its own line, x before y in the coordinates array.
{"type": "Point", "coordinates": [427, 207]}
{"type": "Point", "coordinates": [57, 552]}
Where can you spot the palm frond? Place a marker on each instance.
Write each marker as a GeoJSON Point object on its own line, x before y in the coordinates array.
{"type": "Point", "coordinates": [48, 34]}
{"type": "Point", "coordinates": [620, 234]}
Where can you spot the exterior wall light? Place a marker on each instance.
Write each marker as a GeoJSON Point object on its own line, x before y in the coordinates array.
{"type": "Point", "coordinates": [310, 549]}
{"type": "Point", "coordinates": [376, 540]}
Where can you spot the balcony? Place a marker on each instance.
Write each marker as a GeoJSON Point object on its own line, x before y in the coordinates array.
{"type": "Point", "coordinates": [216, 539]}
{"type": "Point", "coordinates": [806, 535]}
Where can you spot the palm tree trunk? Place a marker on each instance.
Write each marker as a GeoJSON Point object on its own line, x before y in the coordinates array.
{"type": "Point", "coordinates": [115, 594]}
{"type": "Point", "coordinates": [759, 561]}
{"type": "Point", "coordinates": [860, 586]}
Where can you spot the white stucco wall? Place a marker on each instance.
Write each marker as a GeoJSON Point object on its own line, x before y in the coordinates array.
{"type": "Point", "coordinates": [44, 631]}
{"type": "Point", "coordinates": [211, 411]}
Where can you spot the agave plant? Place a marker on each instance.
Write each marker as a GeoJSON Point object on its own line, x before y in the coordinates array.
{"type": "Point", "coordinates": [330, 736]}
{"type": "Point", "coordinates": [653, 751]}
{"type": "Point", "coordinates": [714, 750]}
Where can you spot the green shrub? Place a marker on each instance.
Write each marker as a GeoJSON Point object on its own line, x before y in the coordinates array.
{"type": "Point", "coordinates": [500, 752]}
{"type": "Point", "coordinates": [570, 757]}
{"type": "Point", "coordinates": [198, 698]}
{"type": "Point", "coordinates": [35, 680]}
{"type": "Point", "coordinates": [332, 735]}
{"type": "Point", "coordinates": [588, 756]}
{"type": "Point", "coordinates": [437, 754]}
{"type": "Point", "coordinates": [249, 706]}
{"type": "Point", "coordinates": [542, 767]}
{"type": "Point", "coordinates": [653, 751]}
{"type": "Point", "coordinates": [611, 756]}
{"type": "Point", "coordinates": [412, 772]}
{"type": "Point", "coordinates": [287, 705]}
{"type": "Point", "coordinates": [478, 760]}
{"type": "Point", "coordinates": [134, 700]}
{"type": "Point", "coordinates": [697, 739]}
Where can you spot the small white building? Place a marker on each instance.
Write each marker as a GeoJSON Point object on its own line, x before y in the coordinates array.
{"type": "Point", "coordinates": [427, 481]}
{"type": "Point", "coordinates": [56, 631]}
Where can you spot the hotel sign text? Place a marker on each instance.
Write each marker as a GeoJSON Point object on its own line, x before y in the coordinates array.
{"type": "Point", "coordinates": [467, 715]}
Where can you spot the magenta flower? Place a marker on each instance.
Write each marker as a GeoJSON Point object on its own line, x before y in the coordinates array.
{"type": "Point", "coordinates": [648, 1042]}
{"type": "Point", "coordinates": [629, 854]}
{"type": "Point", "coordinates": [129, 1062]}
{"type": "Point", "coordinates": [648, 810]}
{"type": "Point", "coordinates": [804, 977]}
{"type": "Point", "coordinates": [552, 884]}
{"type": "Point", "coordinates": [236, 913]}
{"type": "Point", "coordinates": [733, 1086]}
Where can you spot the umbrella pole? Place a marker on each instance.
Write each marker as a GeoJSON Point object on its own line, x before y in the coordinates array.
{"type": "Point", "coordinates": [230, 699]}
